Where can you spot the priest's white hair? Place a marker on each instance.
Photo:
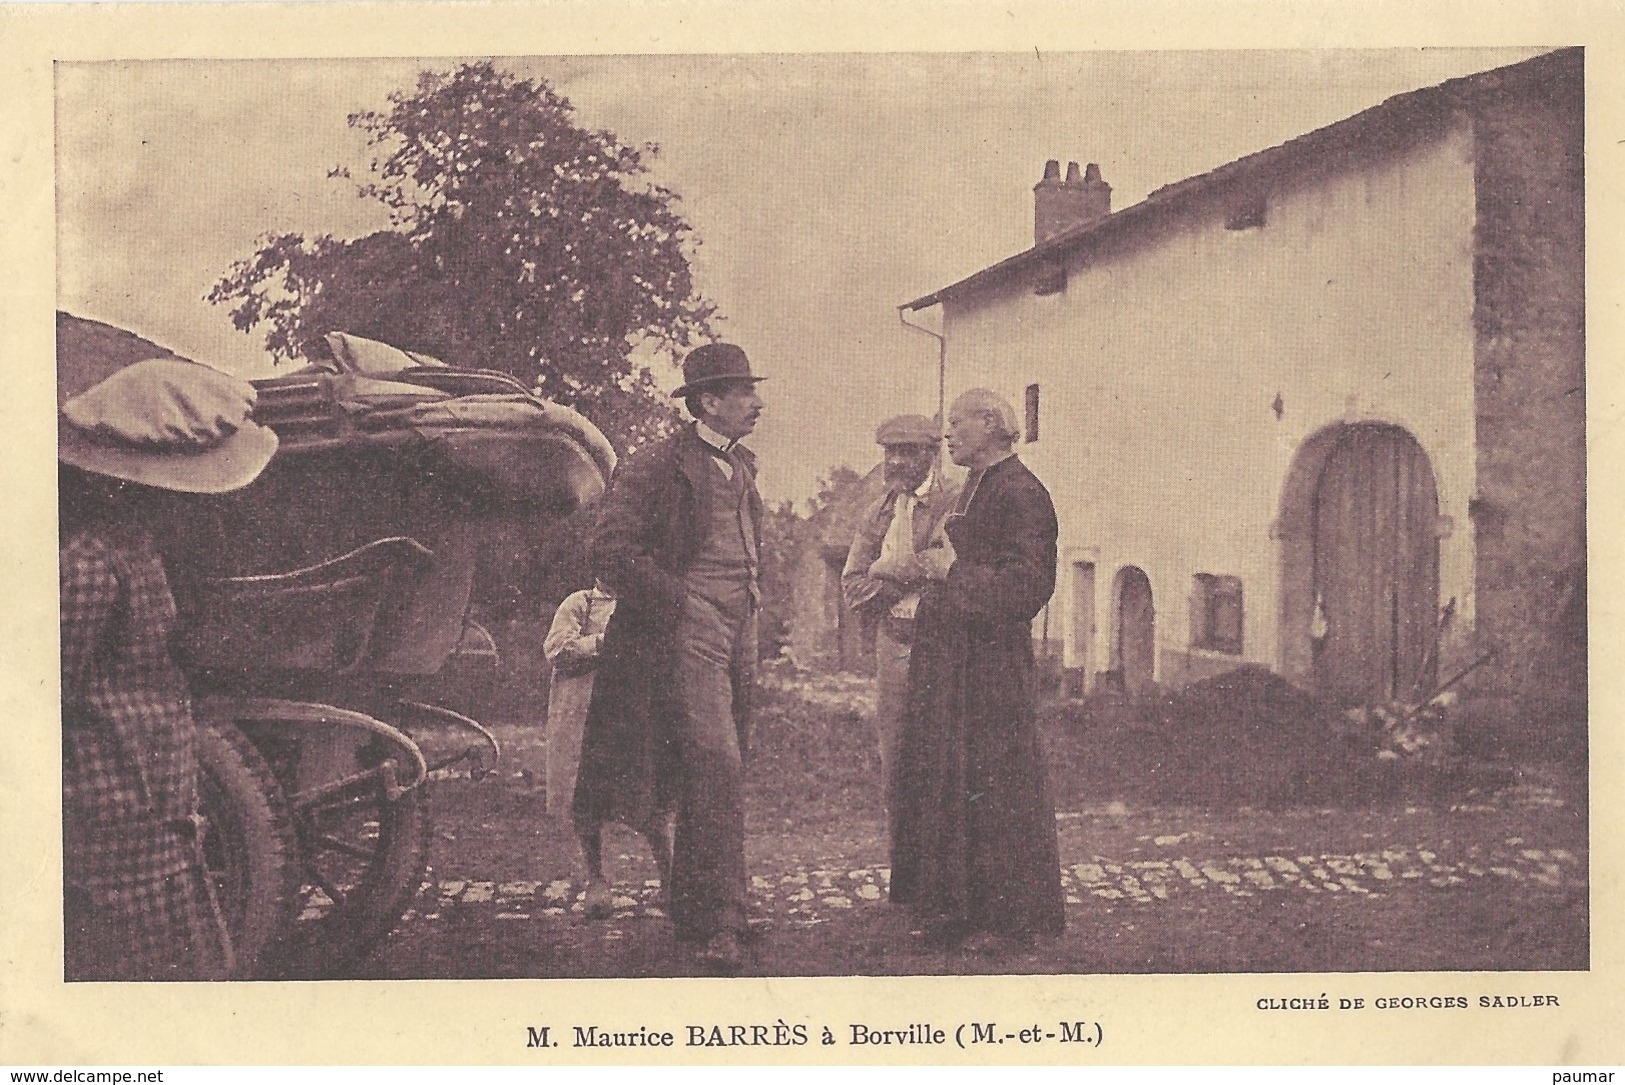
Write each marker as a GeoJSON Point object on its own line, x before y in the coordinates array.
{"type": "Point", "coordinates": [994, 406]}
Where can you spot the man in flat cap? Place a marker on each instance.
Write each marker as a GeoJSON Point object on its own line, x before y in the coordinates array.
{"type": "Point", "coordinates": [678, 541]}
{"type": "Point", "coordinates": [883, 575]}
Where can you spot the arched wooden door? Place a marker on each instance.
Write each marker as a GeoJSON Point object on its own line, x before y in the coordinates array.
{"type": "Point", "coordinates": [1136, 633]}
{"type": "Point", "coordinates": [1376, 566]}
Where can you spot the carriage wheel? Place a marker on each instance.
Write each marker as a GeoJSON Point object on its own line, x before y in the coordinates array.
{"type": "Point", "coordinates": [359, 809]}
{"type": "Point", "coordinates": [364, 853]}
{"type": "Point", "coordinates": [250, 850]}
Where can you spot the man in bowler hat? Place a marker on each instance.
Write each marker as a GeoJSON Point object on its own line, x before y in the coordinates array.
{"type": "Point", "coordinates": [883, 576]}
{"type": "Point", "coordinates": [678, 540]}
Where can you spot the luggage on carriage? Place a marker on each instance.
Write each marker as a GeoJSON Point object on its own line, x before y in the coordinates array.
{"type": "Point", "coordinates": [319, 603]}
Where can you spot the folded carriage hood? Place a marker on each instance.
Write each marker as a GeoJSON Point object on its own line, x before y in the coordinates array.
{"type": "Point", "coordinates": [473, 430]}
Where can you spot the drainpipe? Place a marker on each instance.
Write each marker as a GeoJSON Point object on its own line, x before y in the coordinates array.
{"type": "Point", "coordinates": [942, 376]}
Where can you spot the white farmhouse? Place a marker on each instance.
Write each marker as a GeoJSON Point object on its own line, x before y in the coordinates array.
{"type": "Point", "coordinates": [1318, 408]}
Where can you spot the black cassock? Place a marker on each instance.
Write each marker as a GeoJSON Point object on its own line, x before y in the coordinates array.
{"type": "Point", "coordinates": [975, 830]}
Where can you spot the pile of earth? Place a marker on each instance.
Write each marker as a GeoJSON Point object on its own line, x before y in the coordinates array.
{"type": "Point", "coordinates": [1243, 738]}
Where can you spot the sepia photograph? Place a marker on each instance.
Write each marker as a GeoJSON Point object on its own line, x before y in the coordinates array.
{"type": "Point", "coordinates": [663, 516]}
{"type": "Point", "coordinates": [630, 515]}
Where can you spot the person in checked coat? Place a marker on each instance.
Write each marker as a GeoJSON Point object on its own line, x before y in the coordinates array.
{"type": "Point", "coordinates": [678, 540]}
{"type": "Point", "coordinates": [137, 901]}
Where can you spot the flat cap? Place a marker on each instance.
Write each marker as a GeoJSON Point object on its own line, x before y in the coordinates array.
{"type": "Point", "coordinates": [908, 429]}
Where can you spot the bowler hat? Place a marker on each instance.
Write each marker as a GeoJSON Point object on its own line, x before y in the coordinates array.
{"type": "Point", "coordinates": [908, 429]}
{"type": "Point", "coordinates": [714, 363]}
{"type": "Point", "coordinates": [162, 422]}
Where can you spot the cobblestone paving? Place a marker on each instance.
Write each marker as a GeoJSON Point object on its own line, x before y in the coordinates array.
{"type": "Point", "coordinates": [807, 894]}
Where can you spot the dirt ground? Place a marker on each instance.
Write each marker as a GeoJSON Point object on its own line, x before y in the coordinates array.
{"type": "Point", "coordinates": [1487, 871]}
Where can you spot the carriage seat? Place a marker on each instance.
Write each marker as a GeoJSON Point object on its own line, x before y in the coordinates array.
{"type": "Point", "coordinates": [324, 617]}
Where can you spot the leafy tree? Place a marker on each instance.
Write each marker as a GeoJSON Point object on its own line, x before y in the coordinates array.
{"type": "Point", "coordinates": [841, 492]}
{"type": "Point", "coordinates": [518, 241]}
{"type": "Point", "coordinates": [780, 530]}
{"type": "Point", "coordinates": [787, 535]}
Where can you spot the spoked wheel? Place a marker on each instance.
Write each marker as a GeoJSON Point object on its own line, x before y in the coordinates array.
{"type": "Point", "coordinates": [364, 857]}
{"type": "Point", "coordinates": [360, 821]}
{"type": "Point", "coordinates": [250, 850]}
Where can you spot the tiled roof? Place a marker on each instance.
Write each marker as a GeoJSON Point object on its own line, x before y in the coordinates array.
{"type": "Point", "coordinates": [1386, 122]}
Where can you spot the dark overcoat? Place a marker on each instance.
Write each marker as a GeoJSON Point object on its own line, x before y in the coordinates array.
{"type": "Point", "coordinates": [651, 524]}
{"type": "Point", "coordinates": [974, 841]}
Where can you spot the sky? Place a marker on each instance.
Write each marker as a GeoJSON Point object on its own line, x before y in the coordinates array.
{"type": "Point", "coordinates": [825, 190]}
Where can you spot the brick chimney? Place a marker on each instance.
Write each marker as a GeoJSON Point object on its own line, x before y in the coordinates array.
{"type": "Point", "coordinates": [1060, 205]}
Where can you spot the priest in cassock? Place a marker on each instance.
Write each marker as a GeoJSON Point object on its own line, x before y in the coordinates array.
{"type": "Point", "coordinates": [974, 849]}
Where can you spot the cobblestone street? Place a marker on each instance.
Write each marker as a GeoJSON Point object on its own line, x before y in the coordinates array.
{"type": "Point", "coordinates": [810, 894]}
{"type": "Point", "coordinates": [1497, 878]}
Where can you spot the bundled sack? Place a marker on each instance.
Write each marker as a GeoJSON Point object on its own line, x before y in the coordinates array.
{"type": "Point", "coordinates": [356, 354]}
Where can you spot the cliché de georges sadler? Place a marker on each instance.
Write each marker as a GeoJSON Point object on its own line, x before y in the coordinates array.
{"type": "Point", "coordinates": [1412, 1002]}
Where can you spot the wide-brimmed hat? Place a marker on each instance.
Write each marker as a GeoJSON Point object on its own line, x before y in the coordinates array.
{"type": "Point", "coordinates": [712, 364]}
{"type": "Point", "coordinates": [161, 422]}
{"type": "Point", "coordinates": [908, 429]}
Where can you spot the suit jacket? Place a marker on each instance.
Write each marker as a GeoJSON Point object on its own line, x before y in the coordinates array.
{"type": "Point", "coordinates": [872, 597]}
{"type": "Point", "coordinates": [652, 523]}
{"type": "Point", "coordinates": [649, 529]}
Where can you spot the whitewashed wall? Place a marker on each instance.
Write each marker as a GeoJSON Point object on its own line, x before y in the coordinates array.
{"type": "Point", "coordinates": [1159, 365]}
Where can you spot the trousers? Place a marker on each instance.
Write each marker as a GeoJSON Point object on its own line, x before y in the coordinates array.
{"type": "Point", "coordinates": [716, 676]}
{"type": "Point", "coordinates": [891, 688]}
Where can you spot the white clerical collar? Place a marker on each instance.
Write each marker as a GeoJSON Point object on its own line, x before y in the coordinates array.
{"type": "Point", "coordinates": [713, 438]}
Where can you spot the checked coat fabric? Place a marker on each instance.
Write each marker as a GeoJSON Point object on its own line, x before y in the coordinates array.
{"type": "Point", "coordinates": [136, 904]}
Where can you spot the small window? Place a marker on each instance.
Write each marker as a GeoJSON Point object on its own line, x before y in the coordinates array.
{"type": "Point", "coordinates": [1049, 278]}
{"type": "Point", "coordinates": [1247, 213]}
{"type": "Point", "coordinates": [1032, 413]}
{"type": "Point", "coordinates": [1217, 614]}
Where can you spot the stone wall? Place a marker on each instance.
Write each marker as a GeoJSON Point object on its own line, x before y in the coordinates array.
{"type": "Point", "coordinates": [1528, 512]}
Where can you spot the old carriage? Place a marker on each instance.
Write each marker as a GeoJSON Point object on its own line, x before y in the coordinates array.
{"type": "Point", "coordinates": [318, 607]}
